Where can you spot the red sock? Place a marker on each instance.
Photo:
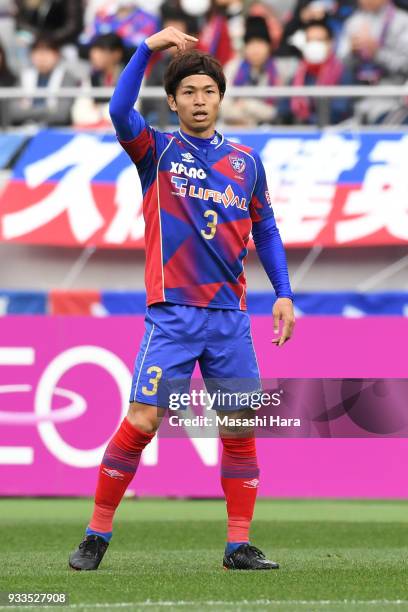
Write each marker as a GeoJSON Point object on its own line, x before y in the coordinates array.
{"type": "Point", "coordinates": [119, 465]}
{"type": "Point", "coordinates": [239, 479]}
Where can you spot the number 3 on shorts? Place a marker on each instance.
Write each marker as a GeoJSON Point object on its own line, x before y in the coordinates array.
{"type": "Point", "coordinates": [212, 225]}
{"type": "Point", "coordinates": [154, 380]}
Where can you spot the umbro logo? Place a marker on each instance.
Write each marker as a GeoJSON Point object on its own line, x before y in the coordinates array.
{"type": "Point", "coordinates": [187, 157]}
{"type": "Point", "coordinates": [251, 484]}
{"type": "Point", "coordinates": [113, 473]}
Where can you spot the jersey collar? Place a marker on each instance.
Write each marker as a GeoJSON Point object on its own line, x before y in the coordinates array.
{"type": "Point", "coordinates": [213, 141]}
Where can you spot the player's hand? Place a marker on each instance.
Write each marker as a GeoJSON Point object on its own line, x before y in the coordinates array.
{"type": "Point", "coordinates": [283, 311]}
{"type": "Point", "coordinates": [170, 37]}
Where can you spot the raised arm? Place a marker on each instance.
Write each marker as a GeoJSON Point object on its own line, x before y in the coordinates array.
{"type": "Point", "coordinates": [128, 122]}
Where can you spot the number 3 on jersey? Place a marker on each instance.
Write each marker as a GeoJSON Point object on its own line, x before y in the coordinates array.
{"type": "Point", "coordinates": [212, 225]}
{"type": "Point", "coordinates": [154, 380]}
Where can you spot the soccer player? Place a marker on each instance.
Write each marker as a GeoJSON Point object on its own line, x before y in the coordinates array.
{"type": "Point", "coordinates": [202, 197]}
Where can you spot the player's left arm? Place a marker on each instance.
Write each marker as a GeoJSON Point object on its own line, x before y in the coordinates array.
{"type": "Point", "coordinates": [270, 250]}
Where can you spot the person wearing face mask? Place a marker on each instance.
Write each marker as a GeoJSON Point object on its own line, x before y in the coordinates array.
{"type": "Point", "coordinates": [374, 45]}
{"type": "Point", "coordinates": [318, 66]}
{"type": "Point", "coordinates": [307, 11]}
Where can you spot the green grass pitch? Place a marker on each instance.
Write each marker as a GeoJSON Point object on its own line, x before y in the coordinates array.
{"type": "Point", "coordinates": [166, 554]}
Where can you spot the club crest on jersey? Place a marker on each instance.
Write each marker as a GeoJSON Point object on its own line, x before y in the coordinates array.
{"type": "Point", "coordinates": [238, 163]}
{"type": "Point", "coordinates": [187, 157]}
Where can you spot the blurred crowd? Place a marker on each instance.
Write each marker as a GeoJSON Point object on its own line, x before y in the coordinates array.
{"type": "Point", "coordinates": [52, 44]}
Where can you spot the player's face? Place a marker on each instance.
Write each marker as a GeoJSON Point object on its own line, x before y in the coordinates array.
{"type": "Point", "coordinates": [197, 103]}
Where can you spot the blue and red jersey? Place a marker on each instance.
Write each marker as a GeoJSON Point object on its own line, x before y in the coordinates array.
{"type": "Point", "coordinates": [201, 200]}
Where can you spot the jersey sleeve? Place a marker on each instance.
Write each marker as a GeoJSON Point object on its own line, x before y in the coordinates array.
{"type": "Point", "coordinates": [145, 151]}
{"type": "Point", "coordinates": [260, 206]}
{"type": "Point", "coordinates": [267, 239]}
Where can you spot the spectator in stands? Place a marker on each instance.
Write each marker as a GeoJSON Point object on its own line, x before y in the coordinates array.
{"type": "Point", "coordinates": [374, 44]}
{"type": "Point", "coordinates": [282, 8]}
{"type": "Point", "coordinates": [318, 66]}
{"type": "Point", "coordinates": [7, 29]}
{"type": "Point", "coordinates": [49, 72]}
{"type": "Point", "coordinates": [157, 111]}
{"type": "Point", "coordinates": [273, 21]}
{"type": "Point", "coordinates": [106, 55]}
{"type": "Point", "coordinates": [60, 18]}
{"type": "Point", "coordinates": [306, 11]}
{"type": "Point", "coordinates": [125, 19]}
{"type": "Point", "coordinates": [257, 68]}
{"type": "Point", "coordinates": [222, 31]}
{"type": "Point", "coordinates": [7, 79]}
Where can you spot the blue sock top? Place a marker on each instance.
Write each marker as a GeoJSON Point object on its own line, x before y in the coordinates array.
{"type": "Point", "coordinates": [106, 535]}
{"type": "Point", "coordinates": [232, 546]}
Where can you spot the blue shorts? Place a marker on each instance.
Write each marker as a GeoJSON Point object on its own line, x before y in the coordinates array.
{"type": "Point", "coordinates": [177, 336]}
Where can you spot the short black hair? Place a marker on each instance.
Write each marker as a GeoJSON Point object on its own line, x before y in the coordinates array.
{"type": "Point", "coordinates": [108, 42]}
{"type": "Point", "coordinates": [45, 41]}
{"type": "Point", "coordinates": [168, 12]}
{"type": "Point", "coordinates": [320, 23]}
{"type": "Point", "coordinates": [256, 28]}
{"type": "Point", "coordinates": [193, 62]}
